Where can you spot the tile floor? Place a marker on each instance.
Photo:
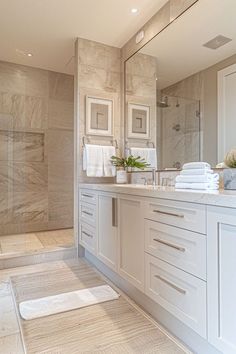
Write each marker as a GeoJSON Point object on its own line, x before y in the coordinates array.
{"type": "Point", "coordinates": [10, 336]}
{"type": "Point", "coordinates": [28, 242]}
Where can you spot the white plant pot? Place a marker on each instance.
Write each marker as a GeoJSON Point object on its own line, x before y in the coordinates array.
{"type": "Point", "coordinates": [121, 176]}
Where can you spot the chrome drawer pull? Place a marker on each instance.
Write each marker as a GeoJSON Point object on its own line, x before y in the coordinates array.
{"type": "Point", "coordinates": [167, 213]}
{"type": "Point", "coordinates": [182, 249]}
{"type": "Point", "coordinates": [87, 213]}
{"type": "Point", "coordinates": [182, 291]}
{"type": "Point", "coordinates": [86, 234]}
{"type": "Point", "coordinates": [87, 195]}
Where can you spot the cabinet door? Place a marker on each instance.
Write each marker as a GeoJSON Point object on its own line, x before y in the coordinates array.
{"type": "Point", "coordinates": [221, 278]}
{"type": "Point", "coordinates": [107, 229]}
{"type": "Point", "coordinates": [131, 240]}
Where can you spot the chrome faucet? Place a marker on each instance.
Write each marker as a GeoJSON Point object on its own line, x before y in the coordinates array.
{"type": "Point", "coordinates": [154, 177]}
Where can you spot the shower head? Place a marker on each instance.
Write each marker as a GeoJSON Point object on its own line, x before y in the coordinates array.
{"type": "Point", "coordinates": [163, 103]}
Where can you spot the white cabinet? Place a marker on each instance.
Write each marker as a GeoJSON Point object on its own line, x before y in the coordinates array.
{"type": "Point", "coordinates": [221, 278]}
{"type": "Point", "coordinates": [107, 229]}
{"type": "Point", "coordinates": [131, 240]}
{"type": "Point", "coordinates": [178, 292]}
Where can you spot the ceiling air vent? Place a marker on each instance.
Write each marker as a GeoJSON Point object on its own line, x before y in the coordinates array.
{"type": "Point", "coordinates": [217, 42]}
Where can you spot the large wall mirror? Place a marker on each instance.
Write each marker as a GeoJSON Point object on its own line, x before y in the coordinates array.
{"type": "Point", "coordinates": [180, 88]}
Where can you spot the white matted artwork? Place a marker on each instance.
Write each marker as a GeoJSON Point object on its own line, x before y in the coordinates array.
{"type": "Point", "coordinates": [99, 116]}
{"type": "Point", "coordinates": [138, 121]}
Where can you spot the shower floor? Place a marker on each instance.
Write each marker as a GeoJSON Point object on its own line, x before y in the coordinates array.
{"type": "Point", "coordinates": [37, 241]}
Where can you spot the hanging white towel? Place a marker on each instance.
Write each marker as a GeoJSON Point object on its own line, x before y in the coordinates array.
{"type": "Point", "coordinates": [208, 177]}
{"type": "Point", "coordinates": [93, 160]}
{"type": "Point", "coordinates": [197, 186]}
{"type": "Point", "coordinates": [192, 165]}
{"type": "Point", "coordinates": [148, 154]}
{"type": "Point", "coordinates": [196, 171]}
{"type": "Point", "coordinates": [109, 169]}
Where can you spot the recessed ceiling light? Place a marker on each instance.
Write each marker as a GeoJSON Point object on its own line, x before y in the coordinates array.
{"type": "Point", "coordinates": [134, 10]}
{"type": "Point", "coordinates": [29, 55]}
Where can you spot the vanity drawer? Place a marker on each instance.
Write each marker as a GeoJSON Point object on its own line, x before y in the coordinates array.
{"type": "Point", "coordinates": [87, 196]}
{"type": "Point", "coordinates": [181, 248]}
{"type": "Point", "coordinates": [178, 292]}
{"type": "Point", "coordinates": [88, 237]}
{"type": "Point", "coordinates": [88, 214]}
{"type": "Point", "coordinates": [181, 214]}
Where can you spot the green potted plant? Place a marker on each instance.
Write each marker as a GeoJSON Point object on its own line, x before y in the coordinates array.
{"type": "Point", "coordinates": [125, 165]}
{"type": "Point", "coordinates": [230, 170]}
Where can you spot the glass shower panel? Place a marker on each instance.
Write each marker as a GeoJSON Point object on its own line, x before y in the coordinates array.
{"type": "Point", "coordinates": [180, 121]}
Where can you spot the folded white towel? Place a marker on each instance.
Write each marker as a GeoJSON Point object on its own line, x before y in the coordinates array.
{"type": "Point", "coordinates": [192, 165]}
{"type": "Point", "coordinates": [196, 171]}
{"type": "Point", "coordinates": [208, 177]}
{"type": "Point", "coordinates": [93, 160]}
{"type": "Point", "coordinates": [109, 169]}
{"type": "Point", "coordinates": [149, 154]}
{"type": "Point", "coordinates": [197, 186]}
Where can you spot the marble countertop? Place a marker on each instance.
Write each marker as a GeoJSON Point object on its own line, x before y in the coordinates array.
{"type": "Point", "coordinates": [219, 198]}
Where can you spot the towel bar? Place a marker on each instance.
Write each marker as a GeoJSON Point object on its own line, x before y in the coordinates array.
{"type": "Point", "coordinates": [113, 142]}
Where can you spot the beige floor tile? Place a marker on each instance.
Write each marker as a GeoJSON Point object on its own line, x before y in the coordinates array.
{"type": "Point", "coordinates": [8, 319]}
{"type": "Point", "coordinates": [57, 237]}
{"type": "Point", "coordinates": [5, 288]}
{"type": "Point", "coordinates": [11, 344]}
{"type": "Point", "coordinates": [20, 243]}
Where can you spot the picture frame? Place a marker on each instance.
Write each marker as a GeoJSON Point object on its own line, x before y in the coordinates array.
{"type": "Point", "coordinates": [99, 116]}
{"type": "Point", "coordinates": [138, 121]}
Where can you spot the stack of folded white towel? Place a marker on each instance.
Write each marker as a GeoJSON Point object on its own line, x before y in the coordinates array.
{"type": "Point", "coordinates": [97, 160]}
{"type": "Point", "coordinates": [197, 175]}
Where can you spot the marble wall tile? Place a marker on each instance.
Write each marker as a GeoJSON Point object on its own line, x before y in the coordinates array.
{"type": "Point", "coordinates": [6, 121]}
{"type": "Point", "coordinates": [98, 55]}
{"type": "Point", "coordinates": [92, 77]}
{"type": "Point", "coordinates": [60, 145]}
{"type": "Point", "coordinates": [60, 208]}
{"type": "Point", "coordinates": [61, 87]}
{"type": "Point", "coordinates": [12, 78]}
{"type": "Point", "coordinates": [5, 207]}
{"type": "Point", "coordinates": [60, 114]}
{"type": "Point", "coordinates": [36, 82]}
{"type": "Point", "coordinates": [5, 145]}
{"type": "Point", "coordinates": [5, 178]}
{"type": "Point", "coordinates": [60, 177]}
{"type": "Point", "coordinates": [29, 207]}
{"type": "Point", "coordinates": [27, 146]}
{"type": "Point", "coordinates": [29, 176]}
{"type": "Point", "coordinates": [36, 112]}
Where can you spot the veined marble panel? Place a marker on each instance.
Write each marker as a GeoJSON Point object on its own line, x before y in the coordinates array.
{"type": "Point", "coordinates": [36, 81]}
{"type": "Point", "coordinates": [61, 208]}
{"type": "Point", "coordinates": [60, 145]}
{"type": "Point", "coordinates": [29, 207]}
{"type": "Point", "coordinates": [5, 177]}
{"type": "Point", "coordinates": [5, 207]}
{"type": "Point", "coordinates": [98, 55]}
{"type": "Point", "coordinates": [12, 77]}
{"type": "Point", "coordinates": [61, 86]}
{"type": "Point", "coordinates": [5, 145]}
{"type": "Point", "coordinates": [60, 176]}
{"type": "Point", "coordinates": [29, 176]}
{"type": "Point", "coordinates": [60, 114]}
{"type": "Point", "coordinates": [92, 77]}
{"type": "Point", "coordinates": [27, 146]}
{"type": "Point", "coordinates": [35, 114]}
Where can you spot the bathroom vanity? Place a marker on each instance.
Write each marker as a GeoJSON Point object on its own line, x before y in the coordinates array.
{"type": "Point", "coordinates": [176, 247]}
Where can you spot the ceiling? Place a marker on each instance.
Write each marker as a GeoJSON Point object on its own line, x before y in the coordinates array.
{"type": "Point", "coordinates": [48, 28]}
{"type": "Point", "coordinates": [179, 48]}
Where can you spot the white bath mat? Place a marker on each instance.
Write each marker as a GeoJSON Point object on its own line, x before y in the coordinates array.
{"type": "Point", "coordinates": [51, 305]}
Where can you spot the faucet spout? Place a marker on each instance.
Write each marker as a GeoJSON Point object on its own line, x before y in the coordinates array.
{"type": "Point", "coordinates": [154, 177]}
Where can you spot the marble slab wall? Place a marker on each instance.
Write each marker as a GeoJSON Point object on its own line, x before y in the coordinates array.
{"type": "Point", "coordinates": [98, 73]}
{"type": "Point", "coordinates": [140, 78]}
{"type": "Point", "coordinates": [36, 149]}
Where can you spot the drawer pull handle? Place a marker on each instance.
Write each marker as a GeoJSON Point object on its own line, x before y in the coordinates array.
{"type": "Point", "coordinates": [181, 249]}
{"type": "Point", "coordinates": [87, 213]}
{"type": "Point", "coordinates": [87, 195]}
{"type": "Point", "coordinates": [182, 291]}
{"type": "Point", "coordinates": [167, 213]}
{"type": "Point", "coordinates": [86, 234]}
